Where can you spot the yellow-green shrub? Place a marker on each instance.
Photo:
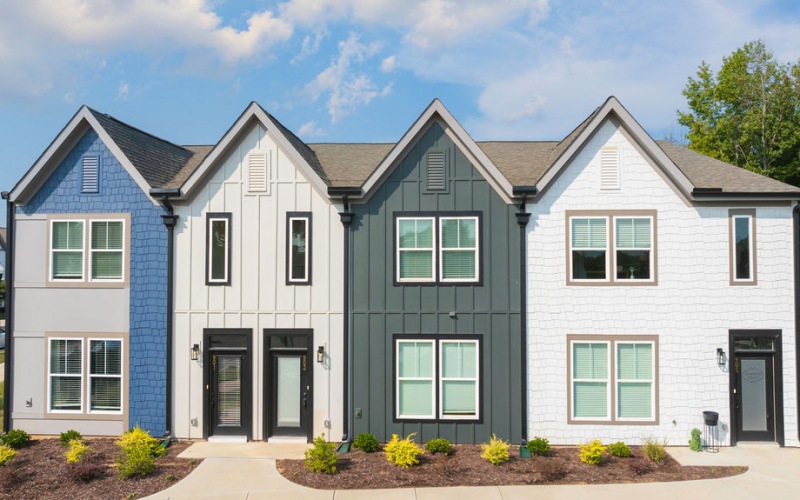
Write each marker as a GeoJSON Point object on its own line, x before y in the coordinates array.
{"type": "Point", "coordinates": [140, 437]}
{"type": "Point", "coordinates": [655, 450]}
{"type": "Point", "coordinates": [593, 453]}
{"type": "Point", "coordinates": [496, 451]}
{"type": "Point", "coordinates": [77, 448]}
{"type": "Point", "coordinates": [403, 452]}
{"type": "Point", "coordinates": [7, 454]}
{"type": "Point", "coordinates": [322, 456]}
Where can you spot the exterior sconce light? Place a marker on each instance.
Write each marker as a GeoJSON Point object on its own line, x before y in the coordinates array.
{"type": "Point", "coordinates": [195, 352]}
{"type": "Point", "coordinates": [720, 357]}
{"type": "Point", "coordinates": [320, 354]}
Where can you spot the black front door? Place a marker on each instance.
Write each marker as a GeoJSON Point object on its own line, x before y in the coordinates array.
{"type": "Point", "coordinates": [227, 383]}
{"type": "Point", "coordinates": [289, 383]}
{"type": "Point", "coordinates": [754, 392]}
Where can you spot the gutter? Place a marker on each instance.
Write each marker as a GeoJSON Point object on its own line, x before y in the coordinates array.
{"type": "Point", "coordinates": [8, 387]}
{"type": "Point", "coordinates": [169, 219]}
{"type": "Point", "coordinates": [796, 261]}
{"type": "Point", "coordinates": [522, 220]}
{"type": "Point", "coordinates": [700, 193]}
{"type": "Point", "coordinates": [346, 217]}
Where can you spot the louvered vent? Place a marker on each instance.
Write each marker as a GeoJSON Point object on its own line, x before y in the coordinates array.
{"type": "Point", "coordinates": [609, 168]}
{"type": "Point", "coordinates": [257, 173]}
{"type": "Point", "coordinates": [436, 171]}
{"type": "Point", "coordinates": [90, 166]}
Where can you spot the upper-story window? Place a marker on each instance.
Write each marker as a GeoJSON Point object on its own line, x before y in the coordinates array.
{"type": "Point", "coordinates": [218, 251]}
{"type": "Point", "coordinates": [298, 248]}
{"type": "Point", "coordinates": [611, 247]}
{"type": "Point", "coordinates": [88, 250]}
{"type": "Point", "coordinates": [743, 247]}
{"type": "Point", "coordinates": [437, 248]}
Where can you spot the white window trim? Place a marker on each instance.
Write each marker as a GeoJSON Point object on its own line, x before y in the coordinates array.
{"type": "Point", "coordinates": [53, 251]}
{"type": "Point", "coordinates": [606, 248]}
{"type": "Point", "coordinates": [750, 218]}
{"type": "Point", "coordinates": [651, 249]}
{"type": "Point", "coordinates": [607, 379]}
{"type": "Point", "coordinates": [431, 379]}
{"type": "Point", "coordinates": [88, 246]}
{"type": "Point", "coordinates": [443, 379]}
{"type": "Point", "coordinates": [305, 278]}
{"type": "Point", "coordinates": [431, 250]}
{"type": "Point", "coordinates": [89, 376]}
{"type": "Point", "coordinates": [226, 249]}
{"type": "Point", "coordinates": [651, 381]}
{"type": "Point", "coordinates": [442, 250]}
{"type": "Point", "coordinates": [51, 375]}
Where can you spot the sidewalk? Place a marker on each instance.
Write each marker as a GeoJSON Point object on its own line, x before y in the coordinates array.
{"type": "Point", "coordinates": [772, 474]}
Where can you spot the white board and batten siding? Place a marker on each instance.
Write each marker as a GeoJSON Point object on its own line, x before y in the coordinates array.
{"type": "Point", "coordinates": [691, 309]}
{"type": "Point", "coordinates": [258, 297]}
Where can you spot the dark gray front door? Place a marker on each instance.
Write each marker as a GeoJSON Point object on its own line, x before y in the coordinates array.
{"type": "Point", "coordinates": [289, 383]}
{"type": "Point", "coordinates": [755, 396]}
{"type": "Point", "coordinates": [227, 375]}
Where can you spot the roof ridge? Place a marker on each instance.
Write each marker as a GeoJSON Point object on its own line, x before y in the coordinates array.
{"type": "Point", "coordinates": [137, 129]}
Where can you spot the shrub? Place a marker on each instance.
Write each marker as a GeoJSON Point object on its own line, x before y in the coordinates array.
{"type": "Point", "coordinates": [138, 436]}
{"type": "Point", "coordinates": [77, 450]}
{"type": "Point", "coordinates": [66, 437]}
{"type": "Point", "coordinates": [15, 438]}
{"type": "Point", "coordinates": [403, 452]}
{"type": "Point", "coordinates": [83, 472]}
{"type": "Point", "coordinates": [439, 445]}
{"type": "Point", "coordinates": [496, 451]}
{"type": "Point", "coordinates": [619, 449]}
{"type": "Point", "coordinates": [366, 442]}
{"type": "Point", "coordinates": [7, 454]}
{"type": "Point", "coordinates": [550, 470]}
{"type": "Point", "coordinates": [136, 460]}
{"type": "Point", "coordinates": [696, 443]}
{"type": "Point", "coordinates": [593, 453]}
{"type": "Point", "coordinates": [639, 467]}
{"type": "Point", "coordinates": [655, 450]}
{"type": "Point", "coordinates": [322, 456]}
{"type": "Point", "coordinates": [539, 446]}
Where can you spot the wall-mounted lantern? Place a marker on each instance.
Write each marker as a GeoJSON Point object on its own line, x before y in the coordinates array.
{"type": "Point", "coordinates": [720, 357]}
{"type": "Point", "coordinates": [321, 354]}
{"type": "Point", "coordinates": [195, 352]}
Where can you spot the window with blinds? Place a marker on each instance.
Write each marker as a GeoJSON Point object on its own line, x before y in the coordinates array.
{"type": "Point", "coordinates": [73, 381]}
{"type": "Point", "coordinates": [106, 250]}
{"type": "Point", "coordinates": [459, 248]}
{"type": "Point", "coordinates": [415, 249]}
{"type": "Point", "coordinates": [90, 174]}
{"type": "Point", "coordinates": [415, 394]}
{"type": "Point", "coordinates": [66, 375]}
{"type": "Point", "coordinates": [615, 369]}
{"type": "Point", "coordinates": [589, 246]}
{"type": "Point", "coordinates": [66, 250]}
{"type": "Point", "coordinates": [105, 375]}
{"type": "Point", "coordinates": [634, 240]}
{"type": "Point", "coordinates": [458, 381]}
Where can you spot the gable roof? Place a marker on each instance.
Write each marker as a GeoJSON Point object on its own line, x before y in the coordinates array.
{"type": "Point", "coordinates": [299, 152]}
{"type": "Point", "coordinates": [151, 161]}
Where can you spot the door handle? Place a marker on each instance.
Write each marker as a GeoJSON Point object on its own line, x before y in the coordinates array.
{"type": "Point", "coordinates": [305, 400]}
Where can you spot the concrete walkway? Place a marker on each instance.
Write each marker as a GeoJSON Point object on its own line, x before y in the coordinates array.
{"type": "Point", "coordinates": [773, 474]}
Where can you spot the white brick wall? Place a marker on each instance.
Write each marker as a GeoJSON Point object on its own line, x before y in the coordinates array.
{"type": "Point", "coordinates": [691, 309]}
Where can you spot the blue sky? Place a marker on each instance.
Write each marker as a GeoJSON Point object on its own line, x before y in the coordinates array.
{"type": "Point", "coordinates": [360, 70]}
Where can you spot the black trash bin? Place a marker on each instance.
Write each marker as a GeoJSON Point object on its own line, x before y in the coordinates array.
{"type": "Point", "coordinates": [710, 433]}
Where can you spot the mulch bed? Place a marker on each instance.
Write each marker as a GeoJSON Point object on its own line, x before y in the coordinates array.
{"type": "Point", "coordinates": [40, 471]}
{"type": "Point", "coordinates": [465, 467]}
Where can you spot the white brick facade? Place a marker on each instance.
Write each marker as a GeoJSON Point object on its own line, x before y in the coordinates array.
{"type": "Point", "coordinates": [691, 309]}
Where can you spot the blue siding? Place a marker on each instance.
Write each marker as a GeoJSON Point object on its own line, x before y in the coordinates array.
{"type": "Point", "coordinates": [118, 193]}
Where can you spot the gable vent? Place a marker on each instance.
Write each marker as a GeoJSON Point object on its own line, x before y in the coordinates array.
{"type": "Point", "coordinates": [436, 171]}
{"type": "Point", "coordinates": [257, 173]}
{"type": "Point", "coordinates": [609, 168]}
{"type": "Point", "coordinates": [89, 182]}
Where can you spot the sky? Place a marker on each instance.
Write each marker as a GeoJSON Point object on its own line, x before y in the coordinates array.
{"type": "Point", "coordinates": [361, 70]}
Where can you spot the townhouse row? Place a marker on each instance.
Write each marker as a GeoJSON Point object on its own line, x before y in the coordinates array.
{"type": "Point", "coordinates": [606, 286]}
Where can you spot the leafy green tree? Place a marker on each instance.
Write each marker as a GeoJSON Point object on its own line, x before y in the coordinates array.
{"type": "Point", "coordinates": [748, 113]}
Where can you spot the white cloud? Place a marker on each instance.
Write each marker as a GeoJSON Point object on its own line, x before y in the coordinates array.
{"type": "Point", "coordinates": [124, 90]}
{"type": "Point", "coordinates": [388, 64]}
{"type": "Point", "coordinates": [311, 44]}
{"type": "Point", "coordinates": [309, 129]}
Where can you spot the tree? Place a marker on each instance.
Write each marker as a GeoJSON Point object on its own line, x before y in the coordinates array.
{"type": "Point", "coordinates": [748, 114]}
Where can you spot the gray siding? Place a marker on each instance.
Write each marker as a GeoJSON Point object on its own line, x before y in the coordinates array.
{"type": "Point", "coordinates": [491, 309]}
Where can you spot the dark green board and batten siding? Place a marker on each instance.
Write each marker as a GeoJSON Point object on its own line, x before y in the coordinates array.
{"type": "Point", "coordinates": [380, 309]}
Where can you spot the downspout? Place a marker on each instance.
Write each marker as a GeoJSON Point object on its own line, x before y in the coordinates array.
{"type": "Point", "coordinates": [169, 219]}
{"type": "Point", "coordinates": [796, 261]}
{"type": "Point", "coordinates": [522, 220]}
{"type": "Point", "coordinates": [8, 387]}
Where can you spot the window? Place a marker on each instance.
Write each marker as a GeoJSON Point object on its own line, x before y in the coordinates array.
{"type": "Point", "coordinates": [96, 243]}
{"type": "Point", "coordinates": [218, 237]}
{"type": "Point", "coordinates": [298, 249]}
{"type": "Point", "coordinates": [612, 378]}
{"type": "Point", "coordinates": [437, 249]}
{"type": "Point", "coordinates": [743, 247]}
{"type": "Point", "coordinates": [437, 379]}
{"type": "Point", "coordinates": [621, 241]}
{"type": "Point", "coordinates": [67, 373]}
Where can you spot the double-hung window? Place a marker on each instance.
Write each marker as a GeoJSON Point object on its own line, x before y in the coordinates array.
{"type": "Point", "coordinates": [298, 248]}
{"type": "Point", "coordinates": [437, 248]}
{"type": "Point", "coordinates": [609, 248]}
{"type": "Point", "coordinates": [612, 378]}
{"type": "Point", "coordinates": [218, 251]}
{"type": "Point", "coordinates": [743, 247]}
{"type": "Point", "coordinates": [437, 378]}
{"type": "Point", "coordinates": [85, 375]}
{"type": "Point", "coordinates": [88, 250]}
